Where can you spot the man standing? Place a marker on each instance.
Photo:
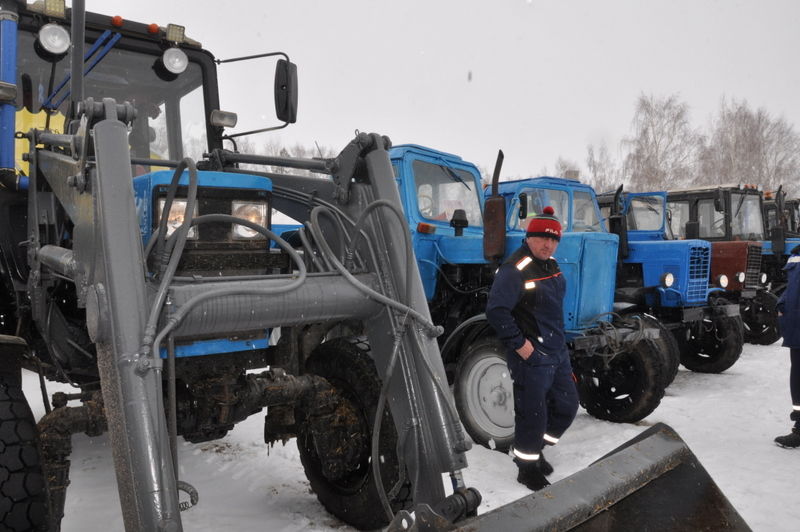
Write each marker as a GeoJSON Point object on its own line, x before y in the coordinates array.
{"type": "Point", "coordinates": [525, 308]}
{"type": "Point", "coordinates": [789, 318]}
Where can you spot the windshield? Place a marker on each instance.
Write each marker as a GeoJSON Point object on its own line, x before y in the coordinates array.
{"type": "Point", "coordinates": [441, 190]}
{"type": "Point", "coordinates": [585, 217]}
{"type": "Point", "coordinates": [537, 199]}
{"type": "Point", "coordinates": [170, 122]}
{"type": "Point", "coordinates": [646, 213]}
{"type": "Point", "coordinates": [746, 219]}
{"type": "Point", "coordinates": [712, 221]}
{"type": "Point", "coordinates": [678, 216]}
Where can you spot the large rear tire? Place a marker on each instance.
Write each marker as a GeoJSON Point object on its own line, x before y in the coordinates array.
{"type": "Point", "coordinates": [352, 495]}
{"type": "Point", "coordinates": [484, 394]}
{"type": "Point", "coordinates": [626, 389]}
{"type": "Point", "coordinates": [760, 318]}
{"type": "Point", "coordinates": [23, 495]}
{"type": "Point", "coordinates": [713, 345]}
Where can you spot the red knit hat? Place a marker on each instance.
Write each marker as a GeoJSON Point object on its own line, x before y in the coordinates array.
{"type": "Point", "coordinates": [545, 224]}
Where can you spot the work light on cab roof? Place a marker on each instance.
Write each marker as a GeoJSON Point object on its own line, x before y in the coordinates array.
{"type": "Point", "coordinates": [54, 38]}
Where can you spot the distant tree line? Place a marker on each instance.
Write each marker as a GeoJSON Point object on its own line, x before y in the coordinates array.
{"type": "Point", "coordinates": [665, 151]}
{"type": "Point", "coordinates": [276, 149]}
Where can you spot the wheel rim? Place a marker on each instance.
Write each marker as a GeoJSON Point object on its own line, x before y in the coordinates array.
{"type": "Point", "coordinates": [619, 386]}
{"type": "Point", "coordinates": [758, 320]}
{"type": "Point", "coordinates": [490, 396]}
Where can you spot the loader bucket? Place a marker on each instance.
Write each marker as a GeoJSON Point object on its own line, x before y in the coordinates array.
{"type": "Point", "coordinates": [652, 482]}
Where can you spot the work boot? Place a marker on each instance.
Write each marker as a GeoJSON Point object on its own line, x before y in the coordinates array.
{"type": "Point", "coordinates": [791, 440]}
{"type": "Point", "coordinates": [544, 465]}
{"type": "Point", "coordinates": [531, 475]}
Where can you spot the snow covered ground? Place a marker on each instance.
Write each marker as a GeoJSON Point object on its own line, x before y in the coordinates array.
{"type": "Point", "coordinates": [728, 420]}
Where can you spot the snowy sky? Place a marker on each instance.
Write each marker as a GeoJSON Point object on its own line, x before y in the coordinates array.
{"type": "Point", "coordinates": [538, 78]}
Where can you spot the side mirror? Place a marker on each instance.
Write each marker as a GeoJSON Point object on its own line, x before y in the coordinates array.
{"type": "Point", "coordinates": [618, 224]}
{"type": "Point", "coordinates": [692, 230]}
{"type": "Point", "coordinates": [523, 206]}
{"type": "Point", "coordinates": [286, 91]}
{"type": "Point", "coordinates": [459, 221]}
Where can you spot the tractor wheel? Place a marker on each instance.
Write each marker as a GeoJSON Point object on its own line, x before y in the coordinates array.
{"type": "Point", "coordinates": [665, 346]}
{"type": "Point", "coordinates": [23, 496]}
{"type": "Point", "coordinates": [484, 394]}
{"type": "Point", "coordinates": [760, 319]}
{"type": "Point", "coordinates": [338, 462]}
{"type": "Point", "coordinates": [713, 345]}
{"type": "Point", "coordinates": [626, 389]}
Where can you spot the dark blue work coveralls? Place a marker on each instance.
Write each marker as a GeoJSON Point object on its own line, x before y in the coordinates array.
{"type": "Point", "coordinates": [526, 301]}
{"type": "Point", "coordinates": [789, 307]}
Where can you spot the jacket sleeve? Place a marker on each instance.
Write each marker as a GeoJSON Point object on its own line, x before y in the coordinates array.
{"type": "Point", "coordinates": [506, 291]}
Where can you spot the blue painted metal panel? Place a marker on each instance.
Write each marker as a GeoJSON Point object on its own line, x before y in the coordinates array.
{"type": "Point", "coordinates": [689, 261]}
{"type": "Point", "coordinates": [788, 246]}
{"type": "Point", "coordinates": [597, 278]}
{"type": "Point", "coordinates": [8, 74]}
{"type": "Point", "coordinates": [216, 347]}
{"type": "Point", "coordinates": [143, 186]}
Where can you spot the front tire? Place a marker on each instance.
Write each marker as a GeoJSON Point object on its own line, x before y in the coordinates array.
{"type": "Point", "coordinates": [713, 345]}
{"type": "Point", "coordinates": [350, 493]}
{"type": "Point", "coordinates": [23, 495]}
{"type": "Point", "coordinates": [760, 319]}
{"type": "Point", "coordinates": [484, 394]}
{"type": "Point", "coordinates": [626, 389]}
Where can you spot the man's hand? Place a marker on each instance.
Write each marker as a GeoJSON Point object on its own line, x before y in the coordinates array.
{"type": "Point", "coordinates": [526, 350]}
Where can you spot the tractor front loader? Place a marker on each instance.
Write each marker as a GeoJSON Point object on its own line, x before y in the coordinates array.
{"type": "Point", "coordinates": [144, 272]}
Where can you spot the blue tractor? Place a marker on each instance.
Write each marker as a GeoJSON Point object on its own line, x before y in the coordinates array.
{"type": "Point", "coordinates": [618, 364]}
{"type": "Point", "coordinates": [669, 279]}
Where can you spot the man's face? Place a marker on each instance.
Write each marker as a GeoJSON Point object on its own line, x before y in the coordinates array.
{"type": "Point", "coordinates": [542, 247]}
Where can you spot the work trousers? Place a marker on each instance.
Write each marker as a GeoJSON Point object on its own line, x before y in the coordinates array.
{"type": "Point", "coordinates": [545, 401]}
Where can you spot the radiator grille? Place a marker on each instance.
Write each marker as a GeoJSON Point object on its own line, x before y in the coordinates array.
{"type": "Point", "coordinates": [699, 263]}
{"type": "Point", "coordinates": [753, 272]}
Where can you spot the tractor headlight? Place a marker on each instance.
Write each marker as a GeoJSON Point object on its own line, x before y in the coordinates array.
{"type": "Point", "coordinates": [54, 38]}
{"type": "Point", "coordinates": [722, 281]}
{"type": "Point", "coordinates": [176, 215]}
{"type": "Point", "coordinates": [763, 278]}
{"type": "Point", "coordinates": [667, 280]}
{"type": "Point", "coordinates": [175, 60]}
{"type": "Point", "coordinates": [740, 277]}
{"type": "Point", "coordinates": [252, 212]}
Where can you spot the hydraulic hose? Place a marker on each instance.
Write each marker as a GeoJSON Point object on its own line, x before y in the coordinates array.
{"type": "Point", "coordinates": [357, 231]}
{"type": "Point", "coordinates": [175, 319]}
{"type": "Point", "coordinates": [181, 234]}
{"type": "Point", "coordinates": [432, 329]}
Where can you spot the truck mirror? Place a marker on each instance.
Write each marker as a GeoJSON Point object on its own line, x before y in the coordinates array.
{"type": "Point", "coordinates": [459, 221]}
{"type": "Point", "coordinates": [523, 206]}
{"type": "Point", "coordinates": [692, 230]}
{"type": "Point", "coordinates": [618, 224]}
{"type": "Point", "coordinates": [286, 91]}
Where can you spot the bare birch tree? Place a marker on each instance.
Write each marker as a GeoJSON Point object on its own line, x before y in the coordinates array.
{"type": "Point", "coordinates": [662, 153]}
{"type": "Point", "coordinates": [750, 146]}
{"type": "Point", "coordinates": [604, 174]}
